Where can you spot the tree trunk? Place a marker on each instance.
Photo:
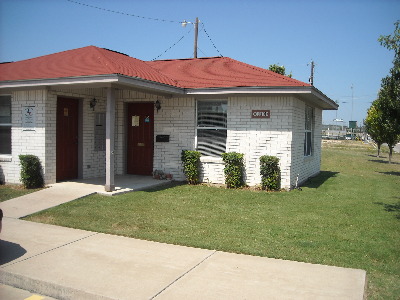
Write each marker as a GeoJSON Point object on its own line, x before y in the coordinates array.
{"type": "Point", "coordinates": [390, 154]}
{"type": "Point", "coordinates": [379, 149]}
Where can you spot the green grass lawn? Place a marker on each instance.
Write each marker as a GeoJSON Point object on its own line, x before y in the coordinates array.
{"type": "Point", "coordinates": [9, 191]}
{"type": "Point", "coordinates": [348, 216]}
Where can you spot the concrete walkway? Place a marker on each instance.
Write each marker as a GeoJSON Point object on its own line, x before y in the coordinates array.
{"type": "Point", "coordinates": [62, 192]}
{"type": "Point", "coordinates": [66, 263]}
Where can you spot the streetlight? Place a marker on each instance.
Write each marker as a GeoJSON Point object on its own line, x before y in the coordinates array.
{"type": "Point", "coordinates": [196, 33]}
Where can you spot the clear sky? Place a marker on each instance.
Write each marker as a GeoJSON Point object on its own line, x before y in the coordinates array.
{"type": "Point", "coordinates": [340, 36]}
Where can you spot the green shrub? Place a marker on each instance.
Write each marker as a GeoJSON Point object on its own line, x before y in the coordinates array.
{"type": "Point", "coordinates": [233, 169]}
{"type": "Point", "coordinates": [191, 164]}
{"type": "Point", "coordinates": [270, 173]}
{"type": "Point", "coordinates": [31, 172]}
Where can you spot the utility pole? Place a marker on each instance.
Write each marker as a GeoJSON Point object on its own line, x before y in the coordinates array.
{"type": "Point", "coordinates": [352, 98]}
{"type": "Point", "coordinates": [311, 79]}
{"type": "Point", "coordinates": [196, 34]}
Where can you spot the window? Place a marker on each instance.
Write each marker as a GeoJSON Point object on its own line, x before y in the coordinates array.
{"type": "Point", "coordinates": [5, 124]}
{"type": "Point", "coordinates": [308, 131]}
{"type": "Point", "coordinates": [211, 127]}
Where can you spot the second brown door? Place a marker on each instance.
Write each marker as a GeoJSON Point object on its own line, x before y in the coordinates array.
{"type": "Point", "coordinates": [140, 138]}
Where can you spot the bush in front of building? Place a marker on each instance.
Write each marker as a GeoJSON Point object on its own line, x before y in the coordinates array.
{"type": "Point", "coordinates": [191, 165]}
{"type": "Point", "coordinates": [31, 171]}
{"type": "Point", "coordinates": [233, 169]}
{"type": "Point", "coordinates": [270, 173]}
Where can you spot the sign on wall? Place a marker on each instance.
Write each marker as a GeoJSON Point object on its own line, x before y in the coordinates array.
{"type": "Point", "coordinates": [260, 114]}
{"type": "Point", "coordinates": [29, 117]}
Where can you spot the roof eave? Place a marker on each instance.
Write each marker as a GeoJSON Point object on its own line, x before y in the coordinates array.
{"type": "Point", "coordinates": [306, 92]}
{"type": "Point", "coordinates": [147, 84]}
{"type": "Point", "coordinates": [92, 81]}
{"type": "Point", "coordinates": [34, 83]}
{"type": "Point", "coordinates": [309, 93]}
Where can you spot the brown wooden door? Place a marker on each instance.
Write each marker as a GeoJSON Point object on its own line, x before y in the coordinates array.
{"type": "Point", "coordinates": [67, 139]}
{"type": "Point", "coordinates": [140, 138]}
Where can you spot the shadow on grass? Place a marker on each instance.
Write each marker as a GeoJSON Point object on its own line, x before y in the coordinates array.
{"type": "Point", "coordinates": [391, 173]}
{"type": "Point", "coordinates": [383, 161]}
{"type": "Point", "coordinates": [391, 208]}
{"type": "Point", "coordinates": [317, 181]}
{"type": "Point", "coordinates": [164, 187]}
{"type": "Point", "coordinates": [374, 155]}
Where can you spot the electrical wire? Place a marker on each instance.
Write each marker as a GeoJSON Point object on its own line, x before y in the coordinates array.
{"type": "Point", "coordinates": [205, 55]}
{"type": "Point", "coordinates": [169, 48]}
{"type": "Point", "coordinates": [153, 19]}
{"type": "Point", "coordinates": [204, 29]}
{"type": "Point", "coordinates": [122, 13]}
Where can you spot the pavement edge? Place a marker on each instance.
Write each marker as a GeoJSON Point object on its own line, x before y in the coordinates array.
{"type": "Point", "coordinates": [46, 288]}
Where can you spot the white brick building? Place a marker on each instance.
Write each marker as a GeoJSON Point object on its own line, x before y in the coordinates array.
{"type": "Point", "coordinates": [92, 112]}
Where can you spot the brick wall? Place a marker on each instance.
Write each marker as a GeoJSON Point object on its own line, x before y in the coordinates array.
{"type": "Point", "coordinates": [92, 162]}
{"type": "Point", "coordinates": [256, 137]}
{"type": "Point", "coordinates": [281, 135]}
{"type": "Point", "coordinates": [25, 141]}
{"type": "Point", "coordinates": [176, 118]}
{"type": "Point", "coordinates": [42, 141]}
{"type": "Point", "coordinates": [305, 167]}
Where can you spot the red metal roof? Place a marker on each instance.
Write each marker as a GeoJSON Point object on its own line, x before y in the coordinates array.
{"type": "Point", "coordinates": [86, 61]}
{"type": "Point", "coordinates": [184, 73]}
{"type": "Point", "coordinates": [220, 72]}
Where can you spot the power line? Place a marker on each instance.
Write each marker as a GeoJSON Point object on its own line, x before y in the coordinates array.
{"type": "Point", "coordinates": [202, 52]}
{"type": "Point", "coordinates": [122, 13]}
{"type": "Point", "coordinates": [204, 29]}
{"type": "Point", "coordinates": [173, 45]}
{"type": "Point", "coordinates": [153, 19]}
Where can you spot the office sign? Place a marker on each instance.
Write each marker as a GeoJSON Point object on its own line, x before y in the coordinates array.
{"type": "Point", "coordinates": [260, 114]}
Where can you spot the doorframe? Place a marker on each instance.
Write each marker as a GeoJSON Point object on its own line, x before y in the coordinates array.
{"type": "Point", "coordinates": [126, 123]}
{"type": "Point", "coordinates": [80, 133]}
{"type": "Point", "coordinates": [80, 138]}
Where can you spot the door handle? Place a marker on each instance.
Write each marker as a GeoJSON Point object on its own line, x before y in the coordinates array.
{"type": "Point", "coordinates": [140, 144]}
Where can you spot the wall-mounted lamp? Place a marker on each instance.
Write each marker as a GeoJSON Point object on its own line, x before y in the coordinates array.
{"type": "Point", "coordinates": [93, 103]}
{"type": "Point", "coordinates": [157, 105]}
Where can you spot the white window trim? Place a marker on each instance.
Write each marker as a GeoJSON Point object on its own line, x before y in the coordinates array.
{"type": "Point", "coordinates": [311, 130]}
{"type": "Point", "coordinates": [7, 157]}
{"type": "Point", "coordinates": [205, 128]}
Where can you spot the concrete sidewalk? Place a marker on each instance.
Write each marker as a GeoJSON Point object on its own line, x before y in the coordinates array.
{"type": "Point", "coordinates": [66, 263]}
{"type": "Point", "coordinates": [63, 192]}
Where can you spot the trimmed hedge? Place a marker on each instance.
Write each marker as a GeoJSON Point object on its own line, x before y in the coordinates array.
{"type": "Point", "coordinates": [31, 171]}
{"type": "Point", "coordinates": [233, 169]}
{"type": "Point", "coordinates": [270, 173]}
{"type": "Point", "coordinates": [191, 164]}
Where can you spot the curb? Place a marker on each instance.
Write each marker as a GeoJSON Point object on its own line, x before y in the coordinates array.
{"type": "Point", "coordinates": [47, 288]}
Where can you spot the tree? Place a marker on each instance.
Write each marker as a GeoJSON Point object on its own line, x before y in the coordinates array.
{"type": "Point", "coordinates": [390, 87]}
{"type": "Point", "coordinates": [388, 107]}
{"type": "Point", "coordinates": [389, 94]}
{"type": "Point", "coordinates": [279, 69]}
{"type": "Point", "coordinates": [373, 125]}
{"type": "Point", "coordinates": [392, 42]}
